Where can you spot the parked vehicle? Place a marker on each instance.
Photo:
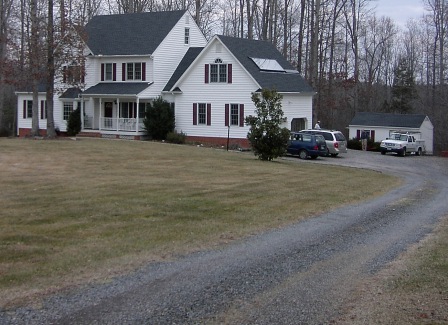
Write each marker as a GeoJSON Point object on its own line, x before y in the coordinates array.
{"type": "Point", "coordinates": [307, 145]}
{"type": "Point", "coordinates": [335, 140]}
{"type": "Point", "coordinates": [402, 144]}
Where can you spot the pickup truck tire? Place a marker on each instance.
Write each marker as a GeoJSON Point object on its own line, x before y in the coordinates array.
{"type": "Point", "coordinates": [418, 152]}
{"type": "Point", "coordinates": [403, 152]}
{"type": "Point", "coordinates": [383, 152]}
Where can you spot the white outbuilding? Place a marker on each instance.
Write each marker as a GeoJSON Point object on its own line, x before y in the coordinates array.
{"type": "Point", "coordinates": [380, 125]}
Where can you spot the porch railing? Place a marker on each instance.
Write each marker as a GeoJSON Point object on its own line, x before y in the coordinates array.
{"type": "Point", "coordinates": [120, 124]}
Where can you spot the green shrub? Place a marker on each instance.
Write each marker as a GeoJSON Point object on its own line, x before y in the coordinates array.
{"type": "Point", "coordinates": [355, 144]}
{"type": "Point", "coordinates": [159, 119]}
{"type": "Point", "coordinates": [74, 122]}
{"type": "Point", "coordinates": [174, 137]}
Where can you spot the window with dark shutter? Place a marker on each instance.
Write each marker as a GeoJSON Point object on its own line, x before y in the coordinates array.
{"type": "Point", "coordinates": [206, 69]}
{"type": "Point", "coordinates": [229, 73]}
{"type": "Point", "coordinates": [102, 71]}
{"type": "Point", "coordinates": [241, 115]}
{"type": "Point", "coordinates": [227, 113]}
{"type": "Point", "coordinates": [209, 114]}
{"type": "Point", "coordinates": [195, 114]}
{"type": "Point", "coordinates": [123, 72]}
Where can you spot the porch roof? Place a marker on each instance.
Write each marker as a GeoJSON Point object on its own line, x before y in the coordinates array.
{"type": "Point", "coordinates": [116, 88]}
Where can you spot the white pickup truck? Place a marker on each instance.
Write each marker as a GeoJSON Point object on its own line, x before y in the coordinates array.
{"type": "Point", "coordinates": [402, 144]}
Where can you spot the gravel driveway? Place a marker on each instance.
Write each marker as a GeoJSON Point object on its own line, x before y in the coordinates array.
{"type": "Point", "coordinates": [303, 274]}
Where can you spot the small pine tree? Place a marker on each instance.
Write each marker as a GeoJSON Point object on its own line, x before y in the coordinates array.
{"type": "Point", "coordinates": [403, 88]}
{"type": "Point", "coordinates": [74, 122]}
{"type": "Point", "coordinates": [267, 138]}
{"type": "Point", "coordinates": [159, 119]}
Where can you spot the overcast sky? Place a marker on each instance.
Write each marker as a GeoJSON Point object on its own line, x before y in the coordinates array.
{"type": "Point", "coordinates": [399, 10]}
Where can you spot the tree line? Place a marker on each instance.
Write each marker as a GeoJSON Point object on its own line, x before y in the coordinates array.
{"type": "Point", "coordinates": [354, 59]}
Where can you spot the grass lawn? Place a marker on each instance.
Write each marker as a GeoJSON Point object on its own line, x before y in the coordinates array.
{"type": "Point", "coordinates": [79, 211]}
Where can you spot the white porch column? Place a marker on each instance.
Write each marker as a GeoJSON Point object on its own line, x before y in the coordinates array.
{"type": "Point", "coordinates": [101, 111]}
{"type": "Point", "coordinates": [82, 113]}
{"type": "Point", "coordinates": [138, 115]}
{"type": "Point", "coordinates": [118, 113]}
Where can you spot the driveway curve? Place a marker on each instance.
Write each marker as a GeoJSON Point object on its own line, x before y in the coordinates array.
{"type": "Point", "coordinates": [302, 274]}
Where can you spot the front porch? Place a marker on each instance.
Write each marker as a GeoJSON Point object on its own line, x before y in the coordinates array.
{"type": "Point", "coordinates": [114, 110]}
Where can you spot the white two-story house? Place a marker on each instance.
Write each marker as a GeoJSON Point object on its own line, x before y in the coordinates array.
{"type": "Point", "coordinates": [131, 59]}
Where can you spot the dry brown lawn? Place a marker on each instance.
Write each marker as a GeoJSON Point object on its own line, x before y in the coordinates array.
{"type": "Point", "coordinates": [87, 210]}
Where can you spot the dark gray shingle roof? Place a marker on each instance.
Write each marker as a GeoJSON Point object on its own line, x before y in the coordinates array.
{"type": "Point", "coordinates": [244, 49]}
{"type": "Point", "coordinates": [117, 88]}
{"type": "Point", "coordinates": [129, 34]}
{"type": "Point", "coordinates": [188, 58]}
{"type": "Point", "coordinates": [71, 93]}
{"type": "Point", "coordinates": [388, 120]}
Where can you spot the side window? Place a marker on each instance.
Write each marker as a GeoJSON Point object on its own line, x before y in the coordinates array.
{"type": "Point", "coordinates": [307, 138]}
{"type": "Point", "coordinates": [187, 36]}
{"type": "Point", "coordinates": [202, 114]}
{"type": "Point", "coordinates": [234, 115]}
{"type": "Point", "coordinates": [68, 109]}
{"type": "Point", "coordinates": [27, 109]}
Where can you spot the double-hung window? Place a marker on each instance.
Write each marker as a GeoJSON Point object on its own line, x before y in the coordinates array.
{"type": "Point", "coordinates": [234, 115]}
{"type": "Point", "coordinates": [218, 72]}
{"type": "Point", "coordinates": [108, 71]}
{"type": "Point", "coordinates": [134, 71]}
{"type": "Point", "coordinates": [27, 109]}
{"type": "Point", "coordinates": [68, 109]}
{"type": "Point", "coordinates": [202, 113]}
{"type": "Point", "coordinates": [187, 36]}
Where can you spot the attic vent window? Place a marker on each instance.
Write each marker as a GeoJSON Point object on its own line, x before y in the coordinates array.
{"type": "Point", "coordinates": [268, 65]}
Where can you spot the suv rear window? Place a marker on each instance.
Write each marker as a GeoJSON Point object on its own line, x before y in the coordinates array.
{"type": "Point", "coordinates": [339, 136]}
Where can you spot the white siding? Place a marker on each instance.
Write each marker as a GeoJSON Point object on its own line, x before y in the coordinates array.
{"type": "Point", "coordinates": [195, 90]}
{"type": "Point", "coordinates": [171, 51]}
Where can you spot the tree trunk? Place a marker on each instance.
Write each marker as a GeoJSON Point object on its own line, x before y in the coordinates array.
{"type": "Point", "coordinates": [301, 36]}
{"type": "Point", "coordinates": [51, 133]}
{"type": "Point", "coordinates": [34, 61]}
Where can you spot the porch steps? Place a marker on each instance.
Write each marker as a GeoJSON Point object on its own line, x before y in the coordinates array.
{"type": "Point", "coordinates": [85, 134]}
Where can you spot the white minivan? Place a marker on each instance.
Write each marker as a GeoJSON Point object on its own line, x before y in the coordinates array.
{"type": "Point", "coordinates": [336, 142]}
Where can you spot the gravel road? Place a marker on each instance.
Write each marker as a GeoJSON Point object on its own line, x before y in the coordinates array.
{"type": "Point", "coordinates": [303, 274]}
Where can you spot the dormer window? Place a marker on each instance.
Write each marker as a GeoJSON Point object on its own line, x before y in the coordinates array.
{"type": "Point", "coordinates": [218, 72]}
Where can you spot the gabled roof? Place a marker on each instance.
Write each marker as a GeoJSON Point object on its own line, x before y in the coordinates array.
{"type": "Point", "coordinates": [117, 88]}
{"type": "Point", "coordinates": [388, 120]}
{"type": "Point", "coordinates": [130, 34]}
{"type": "Point", "coordinates": [244, 50]}
{"type": "Point", "coordinates": [186, 61]}
{"type": "Point", "coordinates": [71, 93]}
